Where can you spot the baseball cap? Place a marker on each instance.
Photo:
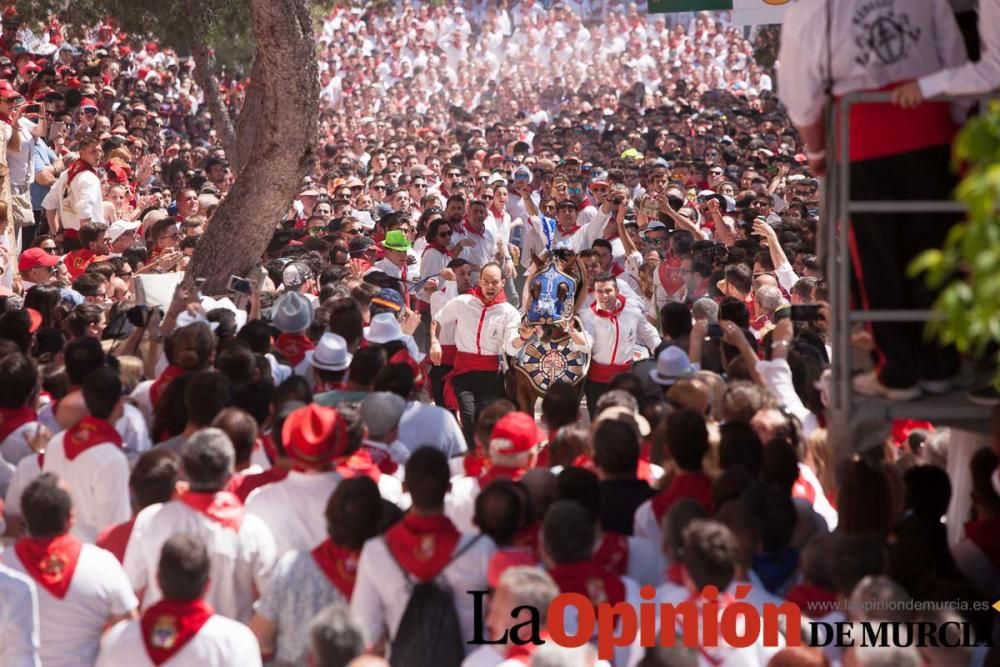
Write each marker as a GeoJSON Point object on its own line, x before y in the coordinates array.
{"type": "Point", "coordinates": [522, 174]}
{"type": "Point", "coordinates": [386, 301]}
{"type": "Point", "coordinates": [516, 433]}
{"type": "Point", "coordinates": [381, 412]}
{"type": "Point", "coordinates": [295, 274]}
{"type": "Point", "coordinates": [314, 435]}
{"type": "Point", "coordinates": [672, 364]}
{"type": "Point", "coordinates": [35, 257]}
{"type": "Point", "coordinates": [119, 227]}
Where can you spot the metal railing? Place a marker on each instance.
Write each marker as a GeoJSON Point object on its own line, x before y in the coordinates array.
{"type": "Point", "coordinates": [851, 421]}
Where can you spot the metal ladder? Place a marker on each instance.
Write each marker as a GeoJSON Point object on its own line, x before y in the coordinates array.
{"type": "Point", "coordinates": [856, 422]}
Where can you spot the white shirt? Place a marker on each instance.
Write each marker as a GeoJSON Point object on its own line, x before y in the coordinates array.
{"type": "Point", "coordinates": [98, 483]}
{"type": "Point", "coordinates": [479, 330]}
{"type": "Point", "coordinates": [294, 509]}
{"type": "Point", "coordinates": [460, 502]}
{"type": "Point", "coordinates": [381, 592]}
{"type": "Point", "coordinates": [432, 262]}
{"type": "Point", "coordinates": [241, 561]}
{"type": "Point", "coordinates": [645, 525]}
{"type": "Point", "coordinates": [972, 78]}
{"type": "Point", "coordinates": [614, 338]}
{"type": "Point", "coordinates": [646, 562]}
{"type": "Point", "coordinates": [863, 59]}
{"type": "Point", "coordinates": [25, 473]}
{"type": "Point", "coordinates": [21, 163]}
{"type": "Point", "coordinates": [423, 424]}
{"type": "Point", "coordinates": [18, 620]}
{"type": "Point", "coordinates": [484, 248]}
{"type": "Point", "coordinates": [84, 199]}
{"type": "Point", "coordinates": [15, 446]}
{"type": "Point", "coordinates": [71, 627]}
{"type": "Point", "coordinates": [221, 642]}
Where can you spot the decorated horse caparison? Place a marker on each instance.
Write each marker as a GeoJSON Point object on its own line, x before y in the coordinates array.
{"type": "Point", "coordinates": [554, 292]}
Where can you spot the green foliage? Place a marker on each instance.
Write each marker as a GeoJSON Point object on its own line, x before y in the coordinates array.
{"type": "Point", "coordinates": [967, 269]}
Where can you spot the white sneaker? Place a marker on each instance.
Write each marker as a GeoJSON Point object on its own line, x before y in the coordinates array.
{"type": "Point", "coordinates": [868, 384]}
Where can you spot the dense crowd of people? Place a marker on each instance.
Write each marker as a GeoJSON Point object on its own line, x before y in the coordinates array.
{"type": "Point", "coordinates": [319, 466]}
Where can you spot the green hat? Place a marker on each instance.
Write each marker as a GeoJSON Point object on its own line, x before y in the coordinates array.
{"type": "Point", "coordinates": [396, 240]}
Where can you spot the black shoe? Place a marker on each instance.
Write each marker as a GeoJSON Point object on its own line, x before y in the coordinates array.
{"type": "Point", "coordinates": [986, 396]}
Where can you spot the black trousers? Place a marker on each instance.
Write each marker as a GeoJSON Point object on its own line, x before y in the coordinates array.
{"type": "Point", "coordinates": [593, 391]}
{"type": "Point", "coordinates": [883, 245]}
{"type": "Point", "coordinates": [436, 376]}
{"type": "Point", "coordinates": [474, 391]}
{"type": "Point", "coordinates": [968, 24]}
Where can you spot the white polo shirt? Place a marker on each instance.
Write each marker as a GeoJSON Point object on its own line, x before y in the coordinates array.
{"type": "Point", "coordinates": [221, 642]}
{"type": "Point", "coordinates": [294, 509]}
{"type": "Point", "coordinates": [241, 561]}
{"type": "Point", "coordinates": [18, 619]}
{"type": "Point", "coordinates": [71, 627]}
{"type": "Point", "coordinates": [614, 338]}
{"type": "Point", "coordinates": [479, 330]}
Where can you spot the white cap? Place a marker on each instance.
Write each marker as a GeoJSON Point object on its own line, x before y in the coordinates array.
{"type": "Point", "coordinates": [119, 227]}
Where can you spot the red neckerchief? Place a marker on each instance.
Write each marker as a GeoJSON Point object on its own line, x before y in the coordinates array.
{"type": "Point", "coordinates": [51, 561]}
{"type": "Point", "coordinates": [583, 461]}
{"type": "Point", "coordinates": [567, 232]}
{"type": "Point", "coordinates": [670, 275]}
{"type": "Point", "coordinates": [222, 507]}
{"type": "Point", "coordinates": [89, 432]}
{"type": "Point", "coordinates": [590, 580]}
{"type": "Point", "coordinates": [583, 204]}
{"type": "Point", "coordinates": [695, 485]}
{"type": "Point", "coordinates": [252, 482]}
{"type": "Point", "coordinates": [499, 298]}
{"type": "Point", "coordinates": [78, 167]}
{"type": "Point", "coordinates": [359, 463]}
{"type": "Point", "coordinates": [423, 545]}
{"type": "Point", "coordinates": [985, 534]}
{"type": "Point", "coordinates": [437, 245]}
{"type": "Point", "coordinates": [161, 383]}
{"type": "Point", "coordinates": [813, 601]}
{"type": "Point", "coordinates": [528, 538]}
{"type": "Point", "coordinates": [496, 472]}
{"type": "Point", "coordinates": [380, 458]}
{"type": "Point", "coordinates": [293, 347]}
{"type": "Point", "coordinates": [339, 564]}
{"type": "Point", "coordinates": [470, 230]}
{"type": "Point", "coordinates": [600, 312]}
{"type": "Point", "coordinates": [612, 554]}
{"type": "Point", "coordinates": [474, 464]}
{"type": "Point", "coordinates": [169, 625]}
{"type": "Point", "coordinates": [616, 270]}
{"type": "Point", "coordinates": [12, 419]}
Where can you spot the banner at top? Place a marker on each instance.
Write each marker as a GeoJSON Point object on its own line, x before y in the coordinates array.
{"type": "Point", "coordinates": [745, 12]}
{"type": "Point", "coordinates": [668, 6]}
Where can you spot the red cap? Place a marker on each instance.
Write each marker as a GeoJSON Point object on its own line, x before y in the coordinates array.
{"type": "Point", "coordinates": [506, 558]}
{"type": "Point", "coordinates": [87, 102]}
{"type": "Point", "coordinates": [117, 173]}
{"type": "Point", "coordinates": [35, 257]}
{"type": "Point", "coordinates": [516, 433]}
{"type": "Point", "coordinates": [30, 67]}
{"type": "Point", "coordinates": [8, 93]}
{"type": "Point", "coordinates": [902, 428]}
{"type": "Point", "coordinates": [314, 435]}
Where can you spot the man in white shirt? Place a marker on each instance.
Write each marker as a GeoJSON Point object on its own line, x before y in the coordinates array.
{"type": "Point", "coordinates": [88, 457]}
{"type": "Point", "coordinates": [312, 436]}
{"type": "Point", "coordinates": [482, 244]}
{"type": "Point", "coordinates": [182, 628]}
{"type": "Point", "coordinates": [18, 620]}
{"type": "Point", "coordinates": [483, 321]}
{"type": "Point", "coordinates": [241, 546]}
{"type": "Point", "coordinates": [81, 588]}
{"type": "Point", "coordinates": [424, 546]}
{"type": "Point", "coordinates": [76, 197]}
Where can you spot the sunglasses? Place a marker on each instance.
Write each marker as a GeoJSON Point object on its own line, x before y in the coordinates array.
{"type": "Point", "coordinates": [444, 234]}
{"type": "Point", "coordinates": [454, 174]}
{"type": "Point", "coordinates": [378, 187]}
{"type": "Point", "coordinates": [353, 230]}
{"type": "Point", "coordinates": [52, 250]}
{"type": "Point", "coordinates": [420, 186]}
{"type": "Point", "coordinates": [357, 188]}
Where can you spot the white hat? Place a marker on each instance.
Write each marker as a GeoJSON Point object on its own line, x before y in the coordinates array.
{"type": "Point", "coordinates": [383, 328]}
{"type": "Point", "coordinates": [671, 365]}
{"type": "Point", "coordinates": [119, 227]}
{"type": "Point", "coordinates": [331, 353]}
{"type": "Point", "coordinates": [293, 312]}
{"type": "Point", "coordinates": [497, 178]}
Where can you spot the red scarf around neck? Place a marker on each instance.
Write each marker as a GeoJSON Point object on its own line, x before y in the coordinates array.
{"type": "Point", "coordinates": [89, 432]}
{"type": "Point", "coordinates": [359, 463]}
{"type": "Point", "coordinates": [423, 545]}
{"type": "Point", "coordinates": [612, 553]}
{"type": "Point", "coordinates": [222, 507]}
{"type": "Point", "coordinates": [694, 485]}
{"type": "Point", "coordinates": [293, 347]}
{"type": "Point", "coordinates": [161, 383]}
{"type": "Point", "coordinates": [339, 564]}
{"type": "Point", "coordinates": [619, 307]}
{"type": "Point", "coordinates": [499, 298]}
{"type": "Point", "coordinates": [591, 580]}
{"type": "Point", "coordinates": [470, 230]}
{"type": "Point", "coordinates": [495, 472]}
{"type": "Point", "coordinates": [51, 561]}
{"type": "Point", "coordinates": [169, 625]}
{"type": "Point", "coordinates": [78, 167]}
{"type": "Point", "coordinates": [437, 245]}
{"type": "Point", "coordinates": [12, 419]}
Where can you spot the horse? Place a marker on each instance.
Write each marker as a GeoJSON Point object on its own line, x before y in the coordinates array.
{"type": "Point", "coordinates": [554, 292]}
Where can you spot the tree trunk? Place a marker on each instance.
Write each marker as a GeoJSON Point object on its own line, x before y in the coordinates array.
{"type": "Point", "coordinates": [221, 118]}
{"type": "Point", "coordinates": [276, 133]}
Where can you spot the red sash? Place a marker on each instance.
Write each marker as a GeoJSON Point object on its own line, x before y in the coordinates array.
{"type": "Point", "coordinates": [222, 507]}
{"type": "Point", "coordinates": [89, 432]}
{"type": "Point", "coordinates": [51, 562]}
{"type": "Point", "coordinates": [605, 373]}
{"type": "Point", "coordinates": [694, 485]}
{"type": "Point", "coordinates": [12, 419]}
{"type": "Point", "coordinates": [293, 347]}
{"type": "Point", "coordinates": [161, 383]}
{"type": "Point", "coordinates": [423, 545]}
{"type": "Point", "coordinates": [612, 554]}
{"type": "Point", "coordinates": [466, 362]}
{"type": "Point", "coordinates": [985, 534]}
{"type": "Point", "coordinates": [169, 625]}
{"type": "Point", "coordinates": [884, 129]}
{"type": "Point", "coordinates": [591, 580]}
{"type": "Point", "coordinates": [339, 564]}
{"type": "Point", "coordinates": [813, 601]}
{"type": "Point", "coordinates": [360, 463]}
{"type": "Point", "coordinates": [448, 354]}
